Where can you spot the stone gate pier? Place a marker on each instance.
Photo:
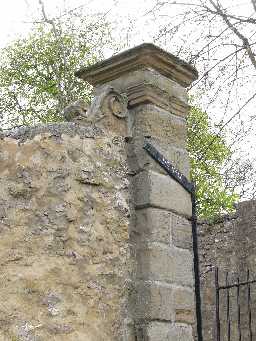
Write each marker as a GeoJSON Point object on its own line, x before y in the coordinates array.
{"type": "Point", "coordinates": [96, 240]}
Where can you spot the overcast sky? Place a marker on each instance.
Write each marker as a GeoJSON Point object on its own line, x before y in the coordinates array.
{"type": "Point", "coordinates": [16, 15]}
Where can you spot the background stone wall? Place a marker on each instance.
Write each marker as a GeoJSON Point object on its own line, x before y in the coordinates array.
{"type": "Point", "coordinates": [64, 248]}
{"type": "Point", "coordinates": [229, 244]}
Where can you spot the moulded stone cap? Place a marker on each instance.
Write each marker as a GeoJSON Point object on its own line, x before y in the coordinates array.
{"type": "Point", "coordinates": [143, 56]}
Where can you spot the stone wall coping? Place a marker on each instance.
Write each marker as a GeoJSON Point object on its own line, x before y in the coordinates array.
{"type": "Point", "coordinates": [144, 56]}
{"type": "Point", "coordinates": [25, 133]}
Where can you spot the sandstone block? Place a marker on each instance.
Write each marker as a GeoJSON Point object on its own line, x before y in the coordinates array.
{"type": "Point", "coordinates": [158, 190]}
{"type": "Point", "coordinates": [145, 56]}
{"type": "Point", "coordinates": [184, 305]}
{"type": "Point", "coordinates": [148, 86]}
{"type": "Point", "coordinates": [153, 78]}
{"type": "Point", "coordinates": [153, 301]}
{"type": "Point", "coordinates": [159, 331]}
{"type": "Point", "coordinates": [181, 232]}
{"type": "Point", "coordinates": [139, 159]}
{"type": "Point", "coordinates": [171, 265]}
{"type": "Point", "coordinates": [152, 224]}
{"type": "Point", "coordinates": [149, 120]}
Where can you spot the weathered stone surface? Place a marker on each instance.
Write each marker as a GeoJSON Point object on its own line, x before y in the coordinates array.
{"type": "Point", "coordinates": [107, 101]}
{"type": "Point", "coordinates": [75, 111]}
{"type": "Point", "coordinates": [158, 190]}
{"type": "Point", "coordinates": [181, 232]}
{"type": "Point", "coordinates": [160, 331]}
{"type": "Point", "coordinates": [170, 265]}
{"type": "Point", "coordinates": [152, 224]}
{"type": "Point", "coordinates": [160, 301]}
{"type": "Point", "coordinates": [64, 246]}
{"type": "Point", "coordinates": [184, 305]}
{"type": "Point", "coordinates": [140, 160]}
{"type": "Point", "coordinates": [149, 120]}
{"type": "Point", "coordinates": [148, 86]}
{"type": "Point", "coordinates": [144, 56]}
{"type": "Point", "coordinates": [158, 225]}
{"type": "Point", "coordinates": [154, 301]}
{"type": "Point", "coordinates": [54, 130]}
{"type": "Point", "coordinates": [150, 77]}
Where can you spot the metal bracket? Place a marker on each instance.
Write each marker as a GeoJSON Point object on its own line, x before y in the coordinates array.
{"type": "Point", "coordinates": [170, 169]}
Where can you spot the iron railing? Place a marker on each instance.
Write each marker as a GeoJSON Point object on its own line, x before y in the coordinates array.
{"type": "Point", "coordinates": [233, 319]}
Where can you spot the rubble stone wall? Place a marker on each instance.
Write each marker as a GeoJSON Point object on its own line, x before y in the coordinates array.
{"type": "Point", "coordinates": [64, 221]}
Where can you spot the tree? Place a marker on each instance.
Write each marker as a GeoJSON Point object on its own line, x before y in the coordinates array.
{"type": "Point", "coordinates": [213, 196]}
{"type": "Point", "coordinates": [219, 36]}
{"type": "Point", "coordinates": [37, 72]}
{"type": "Point", "coordinates": [37, 82]}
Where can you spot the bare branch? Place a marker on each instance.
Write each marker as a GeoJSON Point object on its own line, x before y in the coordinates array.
{"type": "Point", "coordinates": [57, 35]}
{"type": "Point", "coordinates": [204, 7]}
{"type": "Point", "coordinates": [244, 39]}
{"type": "Point", "coordinates": [214, 66]}
{"type": "Point", "coordinates": [254, 4]}
{"type": "Point", "coordinates": [228, 122]}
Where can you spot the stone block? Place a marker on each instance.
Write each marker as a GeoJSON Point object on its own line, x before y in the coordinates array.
{"type": "Point", "coordinates": [149, 120]}
{"type": "Point", "coordinates": [153, 302]}
{"type": "Point", "coordinates": [184, 305]}
{"type": "Point", "coordinates": [161, 301]}
{"type": "Point", "coordinates": [171, 265]}
{"type": "Point", "coordinates": [152, 224]}
{"type": "Point", "coordinates": [158, 190]}
{"type": "Point", "coordinates": [177, 156]}
{"type": "Point", "coordinates": [139, 159]}
{"type": "Point", "coordinates": [160, 331]}
{"type": "Point", "coordinates": [146, 57]}
{"type": "Point", "coordinates": [181, 232]}
{"type": "Point", "coordinates": [150, 77]}
{"type": "Point", "coordinates": [148, 86]}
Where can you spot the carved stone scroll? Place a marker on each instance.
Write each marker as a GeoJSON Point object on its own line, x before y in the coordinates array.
{"type": "Point", "coordinates": [108, 101]}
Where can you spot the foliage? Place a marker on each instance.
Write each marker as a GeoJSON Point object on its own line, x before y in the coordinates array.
{"type": "Point", "coordinates": [208, 154]}
{"type": "Point", "coordinates": [37, 82]}
{"type": "Point", "coordinates": [218, 36]}
{"type": "Point", "coordinates": [37, 72]}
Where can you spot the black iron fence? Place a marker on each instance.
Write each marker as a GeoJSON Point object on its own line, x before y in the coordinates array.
{"type": "Point", "coordinates": [235, 307]}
